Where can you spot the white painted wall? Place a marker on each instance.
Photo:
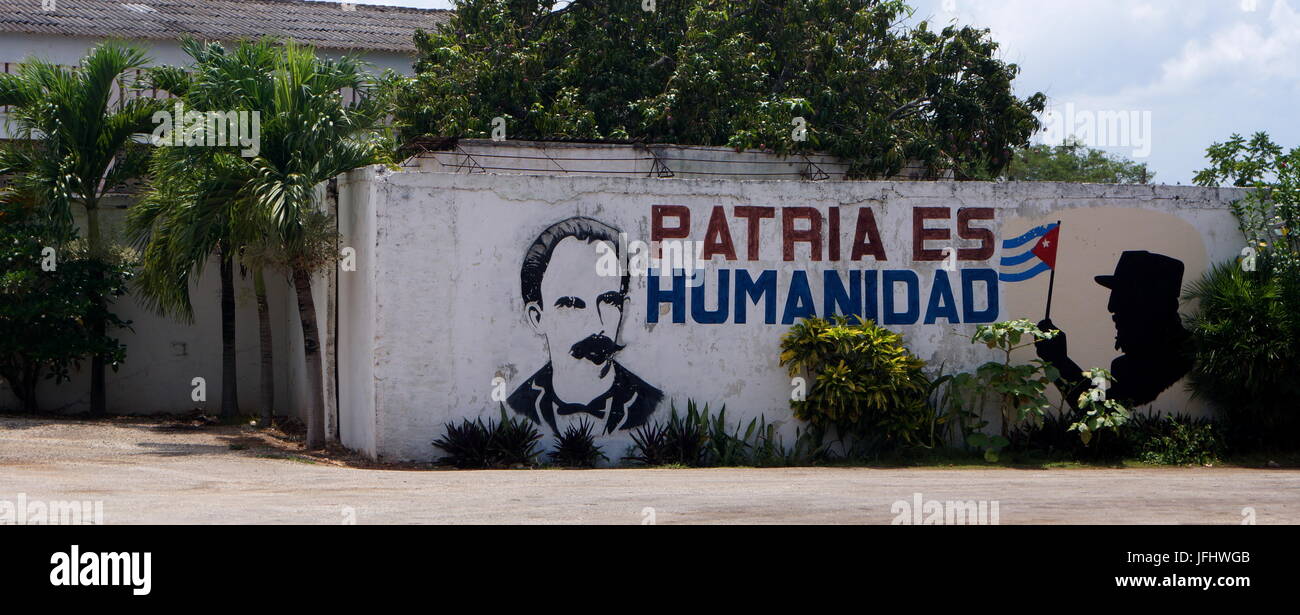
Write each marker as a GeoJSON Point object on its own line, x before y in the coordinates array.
{"type": "Point", "coordinates": [356, 341]}
{"type": "Point", "coordinates": [440, 257]}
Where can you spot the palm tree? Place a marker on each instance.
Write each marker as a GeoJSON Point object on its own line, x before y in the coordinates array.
{"type": "Point", "coordinates": [185, 217]}
{"type": "Point", "coordinates": [73, 144]}
{"type": "Point", "coordinates": [194, 207]}
{"type": "Point", "coordinates": [308, 136]}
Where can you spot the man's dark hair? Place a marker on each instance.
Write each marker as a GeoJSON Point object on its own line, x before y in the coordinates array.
{"type": "Point", "coordinates": [539, 254]}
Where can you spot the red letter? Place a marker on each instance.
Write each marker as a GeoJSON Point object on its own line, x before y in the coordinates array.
{"type": "Point", "coordinates": [866, 239]}
{"type": "Point", "coordinates": [812, 235]}
{"type": "Point", "coordinates": [717, 240]}
{"type": "Point", "coordinates": [755, 216]}
{"type": "Point", "coordinates": [920, 234]}
{"type": "Point", "coordinates": [983, 235]}
{"type": "Point", "coordinates": [658, 232]}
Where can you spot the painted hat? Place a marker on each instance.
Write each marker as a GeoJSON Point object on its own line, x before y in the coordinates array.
{"type": "Point", "coordinates": [1147, 273]}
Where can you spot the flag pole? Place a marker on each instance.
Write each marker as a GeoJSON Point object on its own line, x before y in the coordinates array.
{"type": "Point", "coordinates": [1051, 283]}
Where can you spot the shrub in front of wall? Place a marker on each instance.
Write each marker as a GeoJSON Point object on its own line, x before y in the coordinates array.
{"type": "Point", "coordinates": [1175, 440]}
{"type": "Point", "coordinates": [467, 444]}
{"type": "Point", "coordinates": [702, 439]}
{"type": "Point", "coordinates": [683, 440]}
{"type": "Point", "coordinates": [514, 441]}
{"type": "Point", "coordinates": [505, 442]}
{"type": "Point", "coordinates": [860, 380]}
{"type": "Point", "coordinates": [577, 448]}
{"type": "Point", "coordinates": [1247, 353]}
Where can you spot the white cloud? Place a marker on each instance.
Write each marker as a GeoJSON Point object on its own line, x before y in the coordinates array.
{"type": "Point", "coordinates": [1239, 52]}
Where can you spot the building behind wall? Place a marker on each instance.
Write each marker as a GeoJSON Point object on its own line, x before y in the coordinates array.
{"type": "Point", "coordinates": [163, 356]}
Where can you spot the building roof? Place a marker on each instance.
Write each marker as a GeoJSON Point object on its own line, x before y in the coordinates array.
{"type": "Point", "coordinates": [330, 25]}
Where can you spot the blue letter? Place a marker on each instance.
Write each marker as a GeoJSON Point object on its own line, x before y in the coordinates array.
{"type": "Point", "coordinates": [676, 296]}
{"type": "Point", "coordinates": [908, 277]}
{"type": "Point", "coordinates": [870, 311]}
{"type": "Point", "coordinates": [719, 315]}
{"type": "Point", "coordinates": [839, 301]}
{"type": "Point", "coordinates": [968, 279]}
{"type": "Point", "coordinates": [799, 302]}
{"type": "Point", "coordinates": [942, 304]}
{"type": "Point", "coordinates": [747, 287]}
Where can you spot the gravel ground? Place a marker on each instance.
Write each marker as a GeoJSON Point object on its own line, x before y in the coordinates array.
{"type": "Point", "coordinates": [151, 472]}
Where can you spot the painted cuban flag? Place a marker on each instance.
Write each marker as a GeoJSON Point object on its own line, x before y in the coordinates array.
{"type": "Point", "coordinates": [1030, 254]}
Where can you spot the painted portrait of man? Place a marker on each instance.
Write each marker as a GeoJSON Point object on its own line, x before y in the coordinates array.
{"type": "Point", "coordinates": [579, 312]}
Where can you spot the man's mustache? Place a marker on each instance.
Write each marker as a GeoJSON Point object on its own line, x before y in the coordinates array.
{"type": "Point", "coordinates": [597, 348]}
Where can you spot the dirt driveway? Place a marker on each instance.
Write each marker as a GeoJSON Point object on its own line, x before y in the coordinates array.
{"type": "Point", "coordinates": [147, 472]}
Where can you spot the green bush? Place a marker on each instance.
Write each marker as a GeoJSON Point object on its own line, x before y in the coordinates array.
{"type": "Point", "coordinates": [683, 440]}
{"type": "Point", "coordinates": [467, 445]}
{"type": "Point", "coordinates": [1247, 354]}
{"type": "Point", "coordinates": [50, 285]}
{"type": "Point", "coordinates": [700, 439]}
{"type": "Point", "coordinates": [1021, 388]}
{"type": "Point", "coordinates": [577, 448]}
{"type": "Point", "coordinates": [503, 443]}
{"type": "Point", "coordinates": [865, 383]}
{"type": "Point", "coordinates": [1175, 440]}
{"type": "Point", "coordinates": [1247, 332]}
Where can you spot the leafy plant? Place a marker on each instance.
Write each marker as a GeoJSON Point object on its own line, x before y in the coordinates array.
{"type": "Point", "coordinates": [468, 444]}
{"type": "Point", "coordinates": [1175, 440]}
{"type": "Point", "coordinates": [514, 440]}
{"type": "Point", "coordinates": [1099, 412]}
{"type": "Point", "coordinates": [991, 446]}
{"type": "Point", "coordinates": [727, 448]}
{"type": "Point", "coordinates": [71, 144]}
{"type": "Point", "coordinates": [688, 436]}
{"type": "Point", "coordinates": [47, 316]}
{"type": "Point", "coordinates": [1246, 334]}
{"type": "Point", "coordinates": [1072, 161]}
{"type": "Point", "coordinates": [1052, 437]}
{"type": "Point", "coordinates": [871, 90]}
{"type": "Point", "coordinates": [577, 448]}
{"type": "Point", "coordinates": [473, 444]}
{"type": "Point", "coordinates": [650, 445]}
{"type": "Point", "coordinates": [865, 382]}
{"type": "Point", "coordinates": [1021, 388]}
{"type": "Point", "coordinates": [1246, 352]}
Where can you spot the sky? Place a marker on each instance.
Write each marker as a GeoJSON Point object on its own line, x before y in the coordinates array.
{"type": "Point", "coordinates": [1155, 80]}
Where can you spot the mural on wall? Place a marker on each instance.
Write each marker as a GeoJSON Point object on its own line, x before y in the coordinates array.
{"type": "Point", "coordinates": [1143, 303]}
{"type": "Point", "coordinates": [580, 314]}
{"type": "Point", "coordinates": [1121, 273]}
{"type": "Point", "coordinates": [1111, 295]}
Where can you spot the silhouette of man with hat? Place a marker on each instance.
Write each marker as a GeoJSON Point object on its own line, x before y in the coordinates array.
{"type": "Point", "coordinates": [1144, 294]}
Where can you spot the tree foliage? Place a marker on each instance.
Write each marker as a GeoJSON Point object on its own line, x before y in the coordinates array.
{"type": "Point", "coordinates": [50, 288]}
{"type": "Point", "coordinates": [71, 142]}
{"type": "Point", "coordinates": [268, 202]}
{"type": "Point", "coordinates": [73, 134]}
{"type": "Point", "coordinates": [1246, 332]}
{"type": "Point", "coordinates": [726, 72]}
{"type": "Point", "coordinates": [864, 381]}
{"type": "Point", "coordinates": [1074, 162]}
